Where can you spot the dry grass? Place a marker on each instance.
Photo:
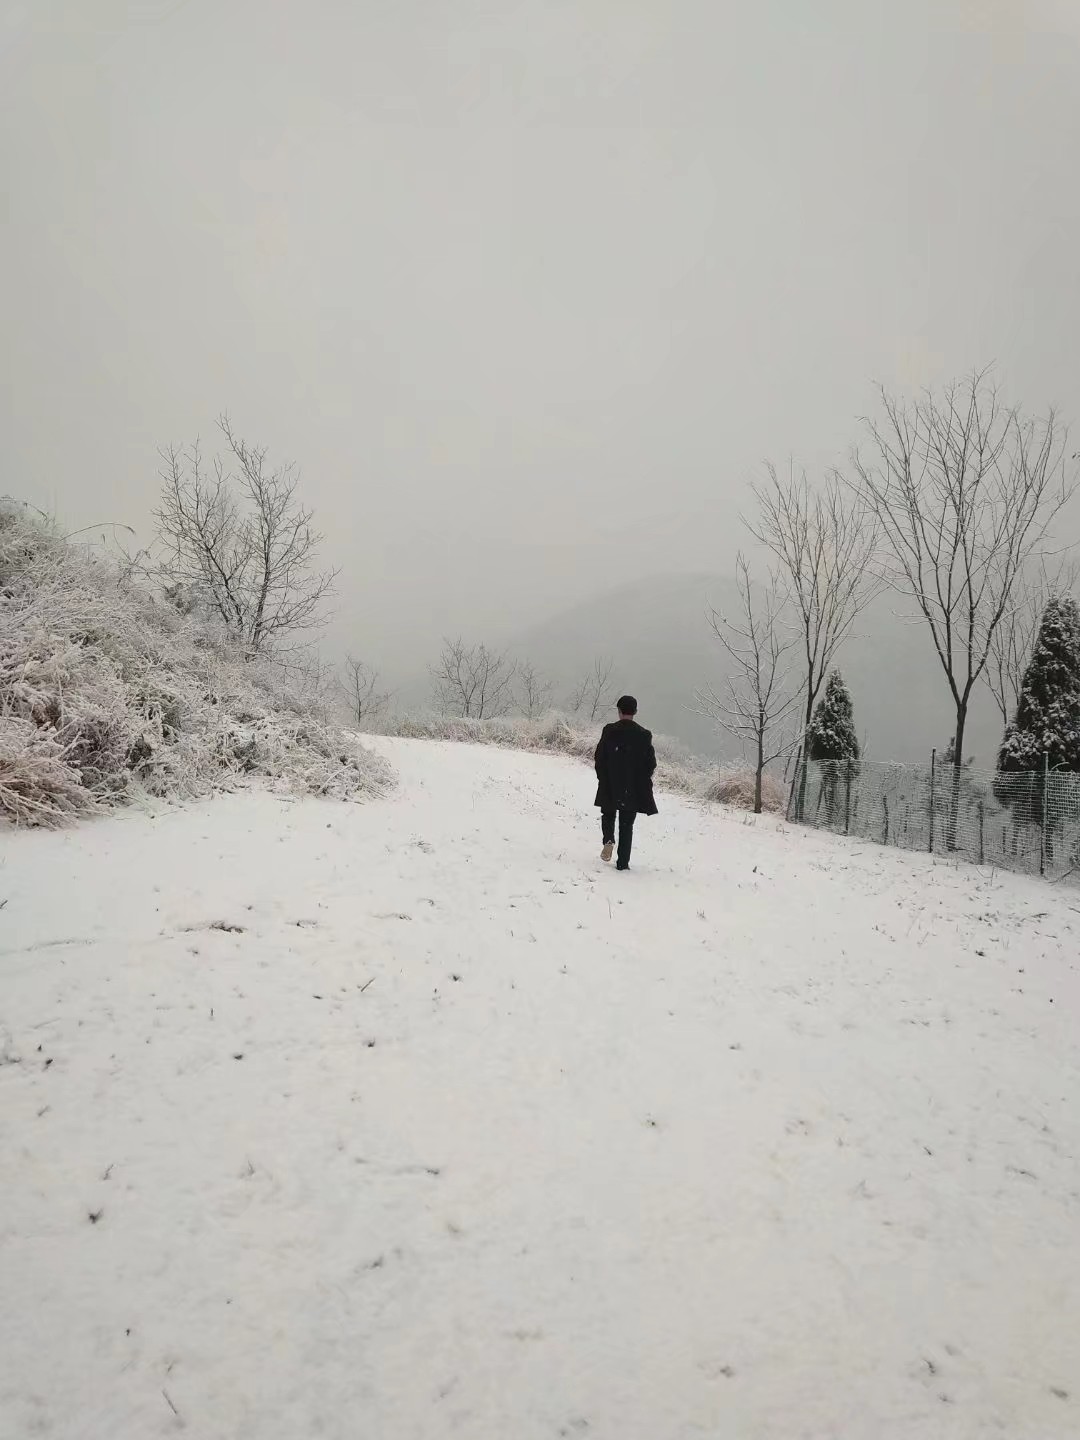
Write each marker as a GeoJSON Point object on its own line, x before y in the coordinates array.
{"type": "Point", "coordinates": [735, 787]}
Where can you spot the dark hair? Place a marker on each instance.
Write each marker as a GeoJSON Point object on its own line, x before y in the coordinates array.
{"type": "Point", "coordinates": [627, 705]}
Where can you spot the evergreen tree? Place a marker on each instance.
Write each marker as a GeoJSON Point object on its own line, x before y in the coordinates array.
{"type": "Point", "coordinates": [831, 735]}
{"type": "Point", "coordinates": [1048, 716]}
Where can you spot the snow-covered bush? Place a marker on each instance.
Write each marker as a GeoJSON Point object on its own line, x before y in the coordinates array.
{"type": "Point", "coordinates": [38, 785]}
{"type": "Point", "coordinates": [107, 689]}
{"type": "Point", "coordinates": [676, 770]}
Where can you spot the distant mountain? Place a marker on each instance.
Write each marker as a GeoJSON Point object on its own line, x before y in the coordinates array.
{"type": "Point", "coordinates": [656, 632]}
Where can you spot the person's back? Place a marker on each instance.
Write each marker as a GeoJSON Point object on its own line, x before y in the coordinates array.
{"type": "Point", "coordinates": [626, 745]}
{"type": "Point", "coordinates": [625, 762]}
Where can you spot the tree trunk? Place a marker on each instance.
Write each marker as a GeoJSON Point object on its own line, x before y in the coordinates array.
{"type": "Point", "coordinates": [758, 772]}
{"type": "Point", "coordinates": [958, 765]}
{"type": "Point", "coordinates": [800, 810]}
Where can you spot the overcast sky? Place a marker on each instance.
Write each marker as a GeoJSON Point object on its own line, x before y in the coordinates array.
{"type": "Point", "coordinates": [528, 288]}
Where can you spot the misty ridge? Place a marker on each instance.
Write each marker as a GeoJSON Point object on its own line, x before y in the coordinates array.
{"type": "Point", "coordinates": [926, 570]}
{"type": "Point", "coordinates": [657, 637]}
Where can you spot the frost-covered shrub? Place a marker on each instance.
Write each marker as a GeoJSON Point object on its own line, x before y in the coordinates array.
{"type": "Point", "coordinates": [38, 784]}
{"type": "Point", "coordinates": [106, 690]}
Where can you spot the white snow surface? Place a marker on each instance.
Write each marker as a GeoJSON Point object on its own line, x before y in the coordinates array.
{"type": "Point", "coordinates": [464, 1134]}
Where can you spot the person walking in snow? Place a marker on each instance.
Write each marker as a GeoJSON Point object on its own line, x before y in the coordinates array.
{"type": "Point", "coordinates": [625, 763]}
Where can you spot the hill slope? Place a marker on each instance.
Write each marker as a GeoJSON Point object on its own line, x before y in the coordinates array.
{"type": "Point", "coordinates": [455, 1132]}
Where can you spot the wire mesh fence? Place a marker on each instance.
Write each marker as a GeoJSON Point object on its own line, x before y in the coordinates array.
{"type": "Point", "coordinates": [1027, 821]}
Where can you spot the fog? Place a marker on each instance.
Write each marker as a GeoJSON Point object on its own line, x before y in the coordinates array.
{"type": "Point", "coordinates": [530, 291]}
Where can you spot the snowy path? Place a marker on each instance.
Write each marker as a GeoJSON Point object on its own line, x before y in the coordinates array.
{"type": "Point", "coordinates": [463, 1134]}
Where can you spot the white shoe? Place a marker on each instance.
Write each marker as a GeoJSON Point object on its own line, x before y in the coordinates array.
{"type": "Point", "coordinates": [607, 852]}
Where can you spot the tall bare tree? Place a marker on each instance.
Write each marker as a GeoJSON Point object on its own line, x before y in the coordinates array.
{"type": "Point", "coordinates": [472, 681]}
{"type": "Point", "coordinates": [1013, 642]}
{"type": "Point", "coordinates": [759, 698]}
{"type": "Point", "coordinates": [591, 694]}
{"type": "Point", "coordinates": [239, 543]}
{"type": "Point", "coordinates": [534, 691]}
{"type": "Point", "coordinates": [824, 542]}
{"type": "Point", "coordinates": [964, 489]}
{"type": "Point", "coordinates": [361, 686]}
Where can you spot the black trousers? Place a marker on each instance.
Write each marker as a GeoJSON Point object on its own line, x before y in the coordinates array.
{"type": "Point", "coordinates": [626, 831]}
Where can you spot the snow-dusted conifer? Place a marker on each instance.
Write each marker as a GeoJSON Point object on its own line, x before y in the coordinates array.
{"type": "Point", "coordinates": [1047, 721]}
{"type": "Point", "coordinates": [831, 735]}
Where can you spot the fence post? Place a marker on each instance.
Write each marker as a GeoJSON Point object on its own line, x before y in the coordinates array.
{"type": "Point", "coordinates": [847, 799]}
{"type": "Point", "coordinates": [1045, 814]}
{"type": "Point", "coordinates": [982, 835]}
{"type": "Point", "coordinates": [933, 778]}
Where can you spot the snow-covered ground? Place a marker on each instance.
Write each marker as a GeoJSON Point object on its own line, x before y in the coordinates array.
{"type": "Point", "coordinates": [460, 1133]}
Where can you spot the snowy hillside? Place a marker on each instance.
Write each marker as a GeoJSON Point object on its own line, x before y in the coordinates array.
{"type": "Point", "coordinates": [411, 1120]}
{"type": "Point", "coordinates": [111, 691]}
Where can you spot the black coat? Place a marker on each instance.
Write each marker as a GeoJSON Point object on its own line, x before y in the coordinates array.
{"type": "Point", "coordinates": [625, 762]}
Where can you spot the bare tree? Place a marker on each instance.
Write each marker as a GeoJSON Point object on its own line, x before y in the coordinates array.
{"type": "Point", "coordinates": [964, 489]}
{"type": "Point", "coordinates": [824, 542]}
{"type": "Point", "coordinates": [758, 699]}
{"type": "Point", "coordinates": [591, 694]}
{"type": "Point", "coordinates": [472, 681]}
{"type": "Point", "coordinates": [534, 690]}
{"type": "Point", "coordinates": [239, 543]}
{"type": "Point", "coordinates": [1013, 642]}
{"type": "Point", "coordinates": [361, 686]}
